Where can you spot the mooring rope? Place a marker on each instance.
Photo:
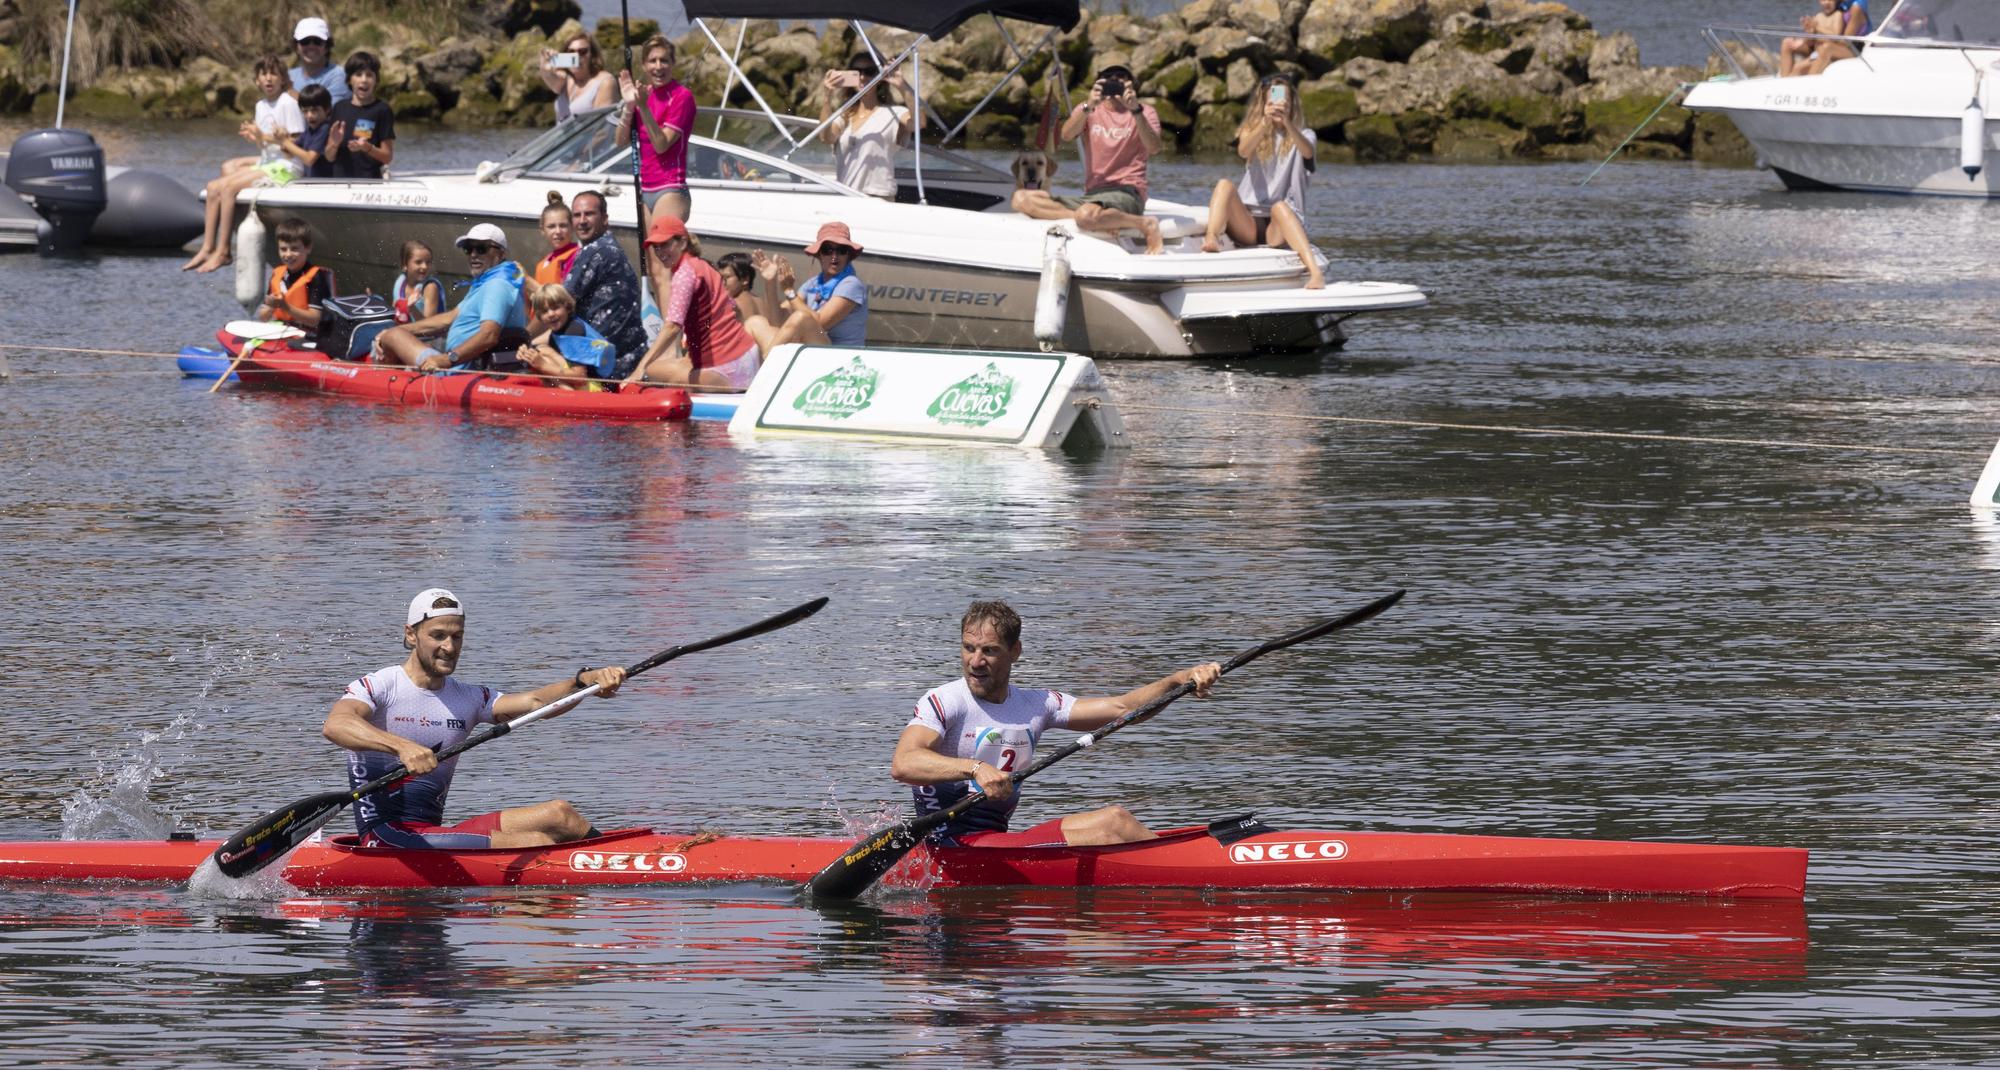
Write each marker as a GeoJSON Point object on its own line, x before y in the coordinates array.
{"type": "Point", "coordinates": [1433, 425]}
{"type": "Point", "coordinates": [1565, 432]}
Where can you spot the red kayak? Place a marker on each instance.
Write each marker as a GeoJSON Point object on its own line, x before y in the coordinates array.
{"type": "Point", "coordinates": [1201, 856]}
{"type": "Point", "coordinates": [274, 364]}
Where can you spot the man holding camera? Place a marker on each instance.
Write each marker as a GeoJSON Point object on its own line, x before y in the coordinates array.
{"type": "Point", "coordinates": [1120, 135]}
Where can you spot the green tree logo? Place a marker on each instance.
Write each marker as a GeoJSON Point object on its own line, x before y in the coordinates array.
{"type": "Point", "coordinates": [974, 401]}
{"type": "Point", "coordinates": [839, 393]}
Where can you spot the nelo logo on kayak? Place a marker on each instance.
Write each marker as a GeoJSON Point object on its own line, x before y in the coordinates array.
{"type": "Point", "coordinates": [620, 862]}
{"type": "Point", "coordinates": [1288, 851]}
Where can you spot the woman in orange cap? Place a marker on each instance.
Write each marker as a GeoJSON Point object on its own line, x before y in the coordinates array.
{"type": "Point", "coordinates": [702, 343]}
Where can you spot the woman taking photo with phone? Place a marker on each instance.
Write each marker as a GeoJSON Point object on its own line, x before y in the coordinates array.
{"type": "Point", "coordinates": [1267, 207]}
{"type": "Point", "coordinates": [577, 77]}
{"type": "Point", "coordinates": [865, 136]}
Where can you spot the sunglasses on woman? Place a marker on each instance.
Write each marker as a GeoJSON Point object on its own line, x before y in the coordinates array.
{"type": "Point", "coordinates": [837, 250]}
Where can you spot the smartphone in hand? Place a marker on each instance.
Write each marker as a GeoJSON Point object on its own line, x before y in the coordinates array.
{"type": "Point", "coordinates": [1279, 93]}
{"type": "Point", "coordinates": [564, 60]}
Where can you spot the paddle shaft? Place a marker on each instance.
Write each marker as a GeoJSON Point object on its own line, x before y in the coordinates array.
{"type": "Point", "coordinates": [242, 350]}
{"type": "Point", "coordinates": [563, 704]}
{"type": "Point", "coordinates": [271, 836]}
{"type": "Point", "coordinates": [878, 852]}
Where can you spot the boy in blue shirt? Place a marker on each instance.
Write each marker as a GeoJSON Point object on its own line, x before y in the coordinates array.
{"type": "Point", "coordinates": [307, 151]}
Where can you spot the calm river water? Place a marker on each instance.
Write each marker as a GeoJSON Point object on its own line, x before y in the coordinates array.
{"type": "Point", "coordinates": [1604, 637]}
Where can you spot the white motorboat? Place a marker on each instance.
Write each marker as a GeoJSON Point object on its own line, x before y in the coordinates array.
{"type": "Point", "coordinates": [1906, 114]}
{"type": "Point", "coordinates": [947, 263]}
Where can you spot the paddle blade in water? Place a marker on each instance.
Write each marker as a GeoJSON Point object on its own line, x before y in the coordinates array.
{"type": "Point", "coordinates": [276, 833]}
{"type": "Point", "coordinates": [864, 863]}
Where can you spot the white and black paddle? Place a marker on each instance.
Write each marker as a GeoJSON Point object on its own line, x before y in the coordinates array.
{"type": "Point", "coordinates": [862, 864]}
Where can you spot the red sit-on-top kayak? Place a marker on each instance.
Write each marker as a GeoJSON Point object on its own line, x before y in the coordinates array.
{"type": "Point", "coordinates": [1238, 853]}
{"type": "Point", "coordinates": [274, 364]}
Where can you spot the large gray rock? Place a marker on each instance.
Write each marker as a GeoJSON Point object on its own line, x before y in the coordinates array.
{"type": "Point", "coordinates": [1219, 46]}
{"type": "Point", "coordinates": [1392, 89]}
{"type": "Point", "coordinates": [1335, 31]}
{"type": "Point", "coordinates": [1267, 19]}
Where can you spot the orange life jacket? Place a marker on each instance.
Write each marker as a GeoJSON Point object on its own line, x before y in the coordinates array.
{"type": "Point", "coordinates": [555, 266]}
{"type": "Point", "coordinates": [287, 298]}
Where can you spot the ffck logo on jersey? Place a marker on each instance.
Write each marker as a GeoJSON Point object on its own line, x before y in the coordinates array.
{"type": "Point", "coordinates": [1247, 853]}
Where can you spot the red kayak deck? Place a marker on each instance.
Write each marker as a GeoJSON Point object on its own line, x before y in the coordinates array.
{"type": "Point", "coordinates": [276, 365]}
{"type": "Point", "coordinates": [1191, 857]}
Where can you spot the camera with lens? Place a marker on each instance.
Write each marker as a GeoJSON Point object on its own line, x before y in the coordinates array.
{"type": "Point", "coordinates": [1112, 86]}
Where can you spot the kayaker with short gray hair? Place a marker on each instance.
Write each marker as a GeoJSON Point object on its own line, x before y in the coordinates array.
{"type": "Point", "coordinates": [973, 733]}
{"type": "Point", "coordinates": [402, 713]}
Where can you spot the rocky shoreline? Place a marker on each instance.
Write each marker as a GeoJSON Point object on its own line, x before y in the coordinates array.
{"type": "Point", "coordinates": [1380, 80]}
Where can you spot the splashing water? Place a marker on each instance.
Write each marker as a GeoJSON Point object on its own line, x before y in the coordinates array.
{"type": "Point", "coordinates": [268, 883]}
{"type": "Point", "coordinates": [915, 873]}
{"type": "Point", "coordinates": [116, 803]}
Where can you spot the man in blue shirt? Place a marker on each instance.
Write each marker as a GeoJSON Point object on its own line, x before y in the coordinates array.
{"type": "Point", "coordinates": [491, 314]}
{"type": "Point", "coordinates": [314, 41]}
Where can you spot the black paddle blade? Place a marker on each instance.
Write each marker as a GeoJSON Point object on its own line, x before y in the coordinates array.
{"type": "Point", "coordinates": [864, 863]}
{"type": "Point", "coordinates": [272, 836]}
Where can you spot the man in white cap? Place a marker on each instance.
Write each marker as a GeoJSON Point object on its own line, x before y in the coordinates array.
{"type": "Point", "coordinates": [314, 41]}
{"type": "Point", "coordinates": [490, 316]}
{"type": "Point", "coordinates": [402, 713]}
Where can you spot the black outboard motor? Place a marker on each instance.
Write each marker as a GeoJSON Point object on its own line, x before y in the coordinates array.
{"type": "Point", "coordinates": [62, 172]}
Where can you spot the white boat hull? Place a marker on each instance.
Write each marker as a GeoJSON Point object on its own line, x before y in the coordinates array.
{"type": "Point", "coordinates": [1888, 121]}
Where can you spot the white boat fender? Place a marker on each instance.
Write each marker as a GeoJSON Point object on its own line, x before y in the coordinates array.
{"type": "Point", "coordinates": [1972, 139]}
{"type": "Point", "coordinates": [1052, 299]}
{"type": "Point", "coordinates": [252, 278]}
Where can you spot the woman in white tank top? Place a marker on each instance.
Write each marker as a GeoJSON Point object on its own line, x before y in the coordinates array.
{"type": "Point", "coordinates": [584, 87]}
{"type": "Point", "coordinates": [866, 135]}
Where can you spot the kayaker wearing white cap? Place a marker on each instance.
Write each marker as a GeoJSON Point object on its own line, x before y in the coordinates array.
{"type": "Point", "coordinates": [490, 316]}
{"type": "Point", "coordinates": [399, 714]}
{"type": "Point", "coordinates": [314, 40]}
{"type": "Point", "coordinates": [972, 733]}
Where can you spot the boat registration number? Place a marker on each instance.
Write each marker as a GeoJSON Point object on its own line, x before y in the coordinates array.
{"type": "Point", "coordinates": [1800, 100]}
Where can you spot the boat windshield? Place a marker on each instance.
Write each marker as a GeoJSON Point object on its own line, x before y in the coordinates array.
{"type": "Point", "coordinates": [1959, 22]}
{"type": "Point", "coordinates": [730, 145]}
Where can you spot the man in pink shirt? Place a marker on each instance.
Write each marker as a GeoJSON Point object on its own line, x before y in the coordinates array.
{"type": "Point", "coordinates": [1120, 135]}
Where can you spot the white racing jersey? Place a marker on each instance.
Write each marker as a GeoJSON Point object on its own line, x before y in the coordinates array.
{"type": "Point", "coordinates": [1001, 734]}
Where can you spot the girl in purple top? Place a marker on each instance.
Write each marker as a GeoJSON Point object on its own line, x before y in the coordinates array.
{"type": "Point", "coordinates": [666, 118]}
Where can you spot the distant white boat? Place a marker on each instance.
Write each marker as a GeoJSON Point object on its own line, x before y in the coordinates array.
{"type": "Point", "coordinates": [1908, 114]}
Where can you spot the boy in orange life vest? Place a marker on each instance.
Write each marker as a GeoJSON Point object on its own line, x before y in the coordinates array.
{"type": "Point", "coordinates": [298, 288]}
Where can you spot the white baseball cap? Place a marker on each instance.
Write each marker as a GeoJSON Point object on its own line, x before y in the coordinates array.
{"type": "Point", "coordinates": [312, 27]}
{"type": "Point", "coordinates": [424, 606]}
{"type": "Point", "coordinates": [483, 232]}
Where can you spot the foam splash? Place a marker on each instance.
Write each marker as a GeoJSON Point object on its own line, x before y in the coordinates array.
{"type": "Point", "coordinates": [116, 802]}
{"type": "Point", "coordinates": [916, 872]}
{"type": "Point", "coordinates": [267, 884]}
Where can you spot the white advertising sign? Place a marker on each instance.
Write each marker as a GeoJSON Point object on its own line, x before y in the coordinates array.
{"type": "Point", "coordinates": [959, 394]}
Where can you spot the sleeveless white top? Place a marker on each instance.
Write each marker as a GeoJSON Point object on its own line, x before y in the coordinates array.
{"type": "Point", "coordinates": [867, 152]}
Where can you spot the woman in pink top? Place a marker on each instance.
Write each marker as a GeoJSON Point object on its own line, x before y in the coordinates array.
{"type": "Point", "coordinates": [666, 119]}
{"type": "Point", "coordinates": [702, 343]}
